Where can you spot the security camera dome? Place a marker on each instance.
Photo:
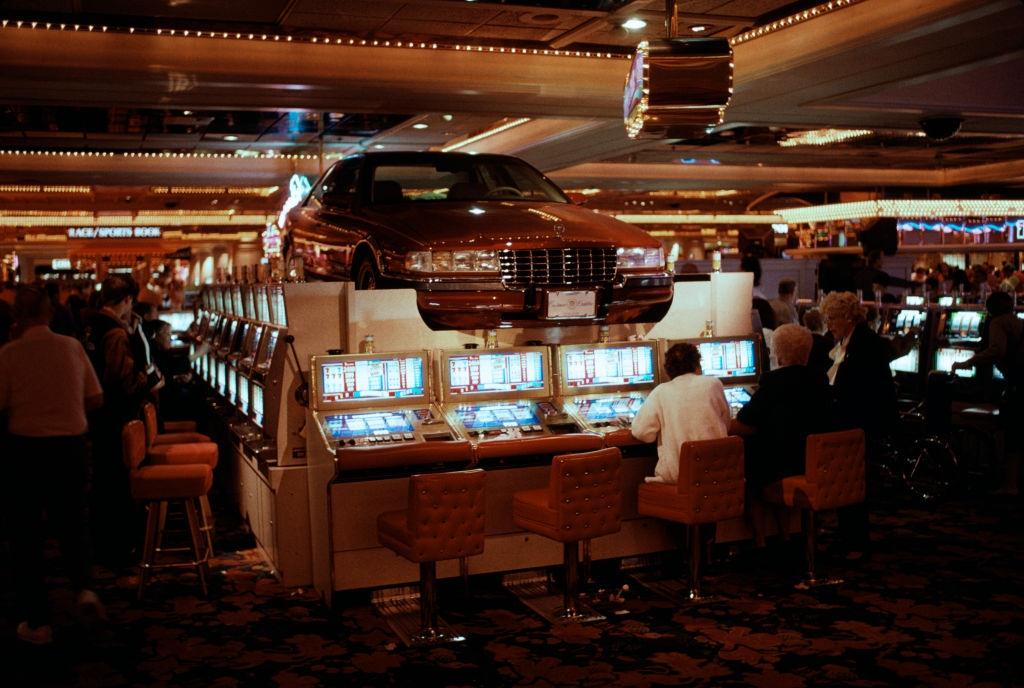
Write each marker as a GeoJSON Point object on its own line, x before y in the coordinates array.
{"type": "Point", "coordinates": [940, 128]}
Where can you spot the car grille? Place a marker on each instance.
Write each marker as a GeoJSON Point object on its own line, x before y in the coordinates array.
{"type": "Point", "coordinates": [557, 266]}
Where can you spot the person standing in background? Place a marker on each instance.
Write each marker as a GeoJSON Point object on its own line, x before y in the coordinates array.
{"type": "Point", "coordinates": [126, 385]}
{"type": "Point", "coordinates": [784, 307]}
{"type": "Point", "coordinates": [46, 387]}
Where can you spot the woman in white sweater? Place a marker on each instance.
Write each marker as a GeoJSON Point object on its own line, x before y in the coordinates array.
{"type": "Point", "coordinates": [688, 407]}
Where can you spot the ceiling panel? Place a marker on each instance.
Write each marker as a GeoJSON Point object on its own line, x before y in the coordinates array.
{"type": "Point", "coordinates": [355, 8]}
{"type": "Point", "coordinates": [251, 11]}
{"type": "Point", "coordinates": [342, 23]}
{"type": "Point", "coordinates": [419, 28]}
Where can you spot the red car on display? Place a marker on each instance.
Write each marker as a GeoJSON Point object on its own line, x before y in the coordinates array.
{"type": "Point", "coordinates": [486, 240]}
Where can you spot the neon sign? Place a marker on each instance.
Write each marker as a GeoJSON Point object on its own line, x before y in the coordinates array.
{"type": "Point", "coordinates": [113, 233]}
{"type": "Point", "coordinates": [298, 189]}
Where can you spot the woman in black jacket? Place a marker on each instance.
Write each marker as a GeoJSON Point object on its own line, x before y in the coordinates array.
{"type": "Point", "coordinates": [864, 391]}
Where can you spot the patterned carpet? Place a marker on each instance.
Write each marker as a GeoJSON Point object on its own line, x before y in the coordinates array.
{"type": "Point", "coordinates": [940, 603]}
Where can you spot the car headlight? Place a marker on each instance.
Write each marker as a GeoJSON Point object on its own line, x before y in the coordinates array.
{"type": "Point", "coordinates": [452, 261]}
{"type": "Point", "coordinates": [640, 258]}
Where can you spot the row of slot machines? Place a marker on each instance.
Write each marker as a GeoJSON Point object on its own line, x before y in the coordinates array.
{"type": "Point", "coordinates": [244, 327]}
{"type": "Point", "coordinates": [490, 396]}
{"type": "Point", "coordinates": [933, 339]}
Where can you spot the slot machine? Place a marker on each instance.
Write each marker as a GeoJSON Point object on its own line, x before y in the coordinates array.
{"type": "Point", "coordinates": [946, 356]}
{"type": "Point", "coordinates": [733, 360]}
{"type": "Point", "coordinates": [265, 371]}
{"type": "Point", "coordinates": [371, 400]}
{"type": "Point", "coordinates": [958, 335]}
{"type": "Point", "coordinates": [603, 385]}
{"type": "Point", "coordinates": [908, 326]}
{"type": "Point", "coordinates": [501, 400]}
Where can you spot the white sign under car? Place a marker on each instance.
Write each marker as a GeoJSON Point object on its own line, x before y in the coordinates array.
{"type": "Point", "coordinates": [572, 304]}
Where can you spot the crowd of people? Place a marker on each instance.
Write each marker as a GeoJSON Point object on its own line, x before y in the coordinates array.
{"type": "Point", "coordinates": [74, 368]}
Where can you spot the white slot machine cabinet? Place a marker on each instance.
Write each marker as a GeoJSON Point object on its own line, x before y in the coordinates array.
{"type": "Point", "coordinates": [375, 425]}
{"type": "Point", "coordinates": [958, 336]}
{"type": "Point", "coordinates": [604, 385]}
{"type": "Point", "coordinates": [735, 361]}
{"type": "Point", "coordinates": [502, 401]}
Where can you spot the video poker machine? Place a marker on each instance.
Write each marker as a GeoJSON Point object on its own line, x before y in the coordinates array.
{"type": "Point", "coordinates": [603, 385]}
{"type": "Point", "coordinates": [736, 361]}
{"type": "Point", "coordinates": [368, 400]}
{"type": "Point", "coordinates": [493, 394]}
{"type": "Point", "coordinates": [911, 326]}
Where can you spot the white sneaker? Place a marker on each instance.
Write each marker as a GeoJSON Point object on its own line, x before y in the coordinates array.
{"type": "Point", "coordinates": [89, 605]}
{"type": "Point", "coordinates": [37, 636]}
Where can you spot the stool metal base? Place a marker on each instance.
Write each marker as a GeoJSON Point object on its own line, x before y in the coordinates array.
{"type": "Point", "coordinates": [533, 590]}
{"type": "Point", "coordinates": [811, 583]}
{"type": "Point", "coordinates": [400, 607]}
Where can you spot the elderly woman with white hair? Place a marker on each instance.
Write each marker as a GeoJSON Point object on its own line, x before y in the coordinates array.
{"type": "Point", "coordinates": [864, 391]}
{"type": "Point", "coordinates": [790, 403]}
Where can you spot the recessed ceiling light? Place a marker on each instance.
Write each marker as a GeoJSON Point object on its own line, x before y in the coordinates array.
{"type": "Point", "coordinates": [230, 137]}
{"type": "Point", "coordinates": [633, 24]}
{"type": "Point", "coordinates": [187, 113]}
{"type": "Point", "coordinates": [378, 146]}
{"type": "Point", "coordinates": [420, 125]}
{"type": "Point", "coordinates": [447, 118]}
{"type": "Point", "coordinates": [699, 28]}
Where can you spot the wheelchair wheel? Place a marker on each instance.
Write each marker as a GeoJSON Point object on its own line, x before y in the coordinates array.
{"type": "Point", "coordinates": [931, 470]}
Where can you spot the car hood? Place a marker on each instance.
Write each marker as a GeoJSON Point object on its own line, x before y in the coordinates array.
{"type": "Point", "coordinates": [504, 224]}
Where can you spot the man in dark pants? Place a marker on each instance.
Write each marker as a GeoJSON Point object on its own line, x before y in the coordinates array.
{"type": "Point", "coordinates": [864, 391]}
{"type": "Point", "coordinates": [1005, 349]}
{"type": "Point", "coordinates": [126, 384]}
{"type": "Point", "coordinates": [46, 386]}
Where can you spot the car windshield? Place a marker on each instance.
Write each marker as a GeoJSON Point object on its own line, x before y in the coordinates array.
{"type": "Point", "coordinates": [459, 178]}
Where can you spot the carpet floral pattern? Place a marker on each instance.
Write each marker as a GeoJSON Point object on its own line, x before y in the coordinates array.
{"type": "Point", "coordinates": [940, 603]}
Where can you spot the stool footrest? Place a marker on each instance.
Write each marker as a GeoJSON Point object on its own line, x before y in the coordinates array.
{"type": "Point", "coordinates": [533, 590]}
{"type": "Point", "coordinates": [400, 607]}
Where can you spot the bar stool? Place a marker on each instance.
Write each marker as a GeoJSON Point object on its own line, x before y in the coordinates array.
{"type": "Point", "coordinates": [177, 432]}
{"type": "Point", "coordinates": [833, 478]}
{"type": "Point", "coordinates": [444, 520]}
{"type": "Point", "coordinates": [583, 500]}
{"type": "Point", "coordinates": [710, 489]}
{"type": "Point", "coordinates": [177, 449]}
{"type": "Point", "coordinates": [156, 486]}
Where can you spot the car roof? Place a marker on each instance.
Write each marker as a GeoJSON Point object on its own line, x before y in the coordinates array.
{"type": "Point", "coordinates": [427, 156]}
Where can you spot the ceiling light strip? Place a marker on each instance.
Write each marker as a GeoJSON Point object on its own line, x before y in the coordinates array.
{"type": "Point", "coordinates": [823, 137]}
{"type": "Point", "coordinates": [27, 220]}
{"type": "Point", "coordinates": [922, 208]}
{"type": "Point", "coordinates": [508, 124]}
{"type": "Point", "coordinates": [792, 20]}
{"type": "Point", "coordinates": [150, 155]}
{"type": "Point", "coordinates": [16, 24]}
{"type": "Point", "coordinates": [699, 219]}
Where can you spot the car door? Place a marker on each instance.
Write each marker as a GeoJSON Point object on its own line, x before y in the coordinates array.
{"type": "Point", "coordinates": [327, 234]}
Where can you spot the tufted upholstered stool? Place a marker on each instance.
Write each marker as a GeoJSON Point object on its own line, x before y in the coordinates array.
{"type": "Point", "coordinates": [178, 432]}
{"type": "Point", "coordinates": [180, 448]}
{"type": "Point", "coordinates": [155, 486]}
{"type": "Point", "coordinates": [583, 500]}
{"type": "Point", "coordinates": [444, 520]}
{"type": "Point", "coordinates": [833, 478]}
{"type": "Point", "coordinates": [710, 489]}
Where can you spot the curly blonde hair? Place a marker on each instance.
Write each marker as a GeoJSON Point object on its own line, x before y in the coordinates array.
{"type": "Point", "coordinates": [842, 304]}
{"type": "Point", "coordinates": [792, 344]}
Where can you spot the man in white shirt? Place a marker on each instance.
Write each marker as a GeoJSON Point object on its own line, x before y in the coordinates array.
{"type": "Point", "coordinates": [46, 386]}
{"type": "Point", "coordinates": [688, 407]}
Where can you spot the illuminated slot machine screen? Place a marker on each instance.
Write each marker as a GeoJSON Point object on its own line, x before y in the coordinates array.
{"type": "Point", "coordinates": [248, 308]}
{"type": "Point", "coordinates": [180, 320]}
{"type": "Point", "coordinates": [257, 404]}
{"type": "Point", "coordinates": [945, 301]}
{"type": "Point", "coordinates": [609, 407]}
{"type": "Point", "coordinates": [945, 358]}
{"type": "Point", "coordinates": [914, 300]}
{"type": "Point", "coordinates": [908, 320]}
{"type": "Point", "coordinates": [232, 388]}
{"type": "Point", "coordinates": [243, 395]}
{"type": "Point", "coordinates": [218, 299]}
{"type": "Point", "coordinates": [262, 304]}
{"type": "Point", "coordinates": [266, 354]}
{"type": "Point", "coordinates": [497, 414]}
{"type": "Point", "coordinates": [241, 335]}
{"type": "Point", "coordinates": [254, 342]}
{"type": "Point", "coordinates": [908, 363]}
{"type": "Point", "coordinates": [236, 301]}
{"type": "Point", "coordinates": [601, 367]}
{"type": "Point", "coordinates": [277, 310]}
{"type": "Point", "coordinates": [222, 383]}
{"type": "Point", "coordinates": [733, 360]}
{"type": "Point", "coordinates": [345, 425]}
{"type": "Point", "coordinates": [964, 325]}
{"type": "Point", "coordinates": [228, 334]}
{"type": "Point", "coordinates": [1020, 314]}
{"type": "Point", "coordinates": [737, 398]}
{"type": "Point", "coordinates": [496, 372]}
{"type": "Point", "coordinates": [358, 379]}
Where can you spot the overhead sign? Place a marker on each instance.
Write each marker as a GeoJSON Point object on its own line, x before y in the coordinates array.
{"type": "Point", "coordinates": [113, 232]}
{"type": "Point", "coordinates": [60, 264]}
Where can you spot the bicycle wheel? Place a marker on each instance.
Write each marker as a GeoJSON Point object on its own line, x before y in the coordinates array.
{"type": "Point", "coordinates": [931, 470]}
